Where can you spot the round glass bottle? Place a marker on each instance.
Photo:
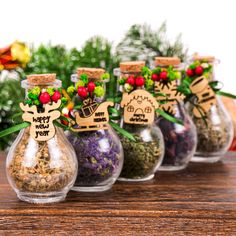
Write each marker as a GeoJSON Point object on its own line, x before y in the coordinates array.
{"type": "Point", "coordinates": [98, 148]}
{"type": "Point", "coordinates": [143, 156]}
{"type": "Point", "coordinates": [180, 140]}
{"type": "Point", "coordinates": [213, 123]}
{"type": "Point", "coordinates": [41, 170]}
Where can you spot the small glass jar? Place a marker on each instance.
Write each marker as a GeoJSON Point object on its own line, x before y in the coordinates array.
{"type": "Point", "coordinates": [180, 140]}
{"type": "Point", "coordinates": [98, 150]}
{"type": "Point", "coordinates": [143, 156]}
{"type": "Point", "coordinates": [215, 130]}
{"type": "Point", "coordinates": [41, 171]}
{"type": "Point", "coordinates": [230, 105]}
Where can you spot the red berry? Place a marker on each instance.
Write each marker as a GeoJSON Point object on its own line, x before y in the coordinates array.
{"type": "Point", "coordinates": [139, 81]}
{"type": "Point", "coordinates": [44, 98]}
{"type": "Point", "coordinates": [155, 77]}
{"type": "Point", "coordinates": [163, 75]}
{"type": "Point", "coordinates": [56, 96]}
{"type": "Point", "coordinates": [91, 86]}
{"type": "Point", "coordinates": [82, 92]}
{"type": "Point", "coordinates": [131, 80]}
{"type": "Point", "coordinates": [190, 72]}
{"type": "Point", "coordinates": [199, 70]}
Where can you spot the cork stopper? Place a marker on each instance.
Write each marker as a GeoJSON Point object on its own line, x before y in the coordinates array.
{"type": "Point", "coordinates": [92, 73]}
{"type": "Point", "coordinates": [132, 66]}
{"type": "Point", "coordinates": [41, 78]}
{"type": "Point", "coordinates": [196, 57]}
{"type": "Point", "coordinates": [167, 61]}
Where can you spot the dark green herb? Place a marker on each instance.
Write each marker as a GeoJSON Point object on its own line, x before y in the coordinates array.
{"type": "Point", "coordinates": [215, 136]}
{"type": "Point", "coordinates": [141, 157]}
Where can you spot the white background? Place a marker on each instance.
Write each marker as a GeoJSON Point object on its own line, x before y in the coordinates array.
{"type": "Point", "coordinates": [207, 26]}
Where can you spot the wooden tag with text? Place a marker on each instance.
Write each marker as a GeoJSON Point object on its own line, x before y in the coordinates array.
{"type": "Point", "coordinates": [42, 127]}
{"type": "Point", "coordinates": [92, 116]}
{"type": "Point", "coordinates": [173, 96]}
{"type": "Point", "coordinates": [139, 107]}
{"type": "Point", "coordinates": [205, 96]}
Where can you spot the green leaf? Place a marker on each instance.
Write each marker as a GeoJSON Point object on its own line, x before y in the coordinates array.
{"type": "Point", "coordinates": [116, 99]}
{"type": "Point", "coordinates": [105, 76]}
{"type": "Point", "coordinates": [16, 115]}
{"type": "Point", "coordinates": [169, 117]}
{"type": "Point", "coordinates": [114, 111]}
{"type": "Point", "coordinates": [215, 85]}
{"type": "Point", "coordinates": [160, 94]}
{"type": "Point", "coordinates": [84, 78]}
{"type": "Point", "coordinates": [114, 117]}
{"type": "Point", "coordinates": [156, 70]}
{"type": "Point", "coordinates": [230, 95]}
{"type": "Point", "coordinates": [14, 129]}
{"type": "Point", "coordinates": [60, 125]}
{"type": "Point", "coordinates": [122, 131]}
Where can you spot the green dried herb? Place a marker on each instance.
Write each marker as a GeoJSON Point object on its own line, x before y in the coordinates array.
{"type": "Point", "coordinates": [212, 137]}
{"type": "Point", "coordinates": [141, 158]}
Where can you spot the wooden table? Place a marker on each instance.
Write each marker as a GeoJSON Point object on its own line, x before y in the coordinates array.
{"type": "Point", "coordinates": [200, 200]}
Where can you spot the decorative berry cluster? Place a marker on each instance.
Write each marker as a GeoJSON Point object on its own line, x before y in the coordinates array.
{"type": "Point", "coordinates": [148, 77]}
{"type": "Point", "coordinates": [85, 88]}
{"type": "Point", "coordinates": [37, 96]}
{"type": "Point", "coordinates": [198, 68]}
{"type": "Point", "coordinates": [132, 82]}
{"type": "Point", "coordinates": [165, 74]}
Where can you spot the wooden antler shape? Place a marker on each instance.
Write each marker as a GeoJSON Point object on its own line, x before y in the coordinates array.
{"type": "Point", "coordinates": [54, 106]}
{"type": "Point", "coordinates": [27, 108]}
{"type": "Point", "coordinates": [29, 112]}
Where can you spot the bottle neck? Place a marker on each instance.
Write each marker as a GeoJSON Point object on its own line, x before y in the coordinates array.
{"type": "Point", "coordinates": [29, 86]}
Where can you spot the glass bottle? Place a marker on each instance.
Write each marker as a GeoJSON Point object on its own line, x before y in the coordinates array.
{"type": "Point", "coordinates": [97, 146]}
{"type": "Point", "coordinates": [215, 131]}
{"type": "Point", "coordinates": [41, 171]}
{"type": "Point", "coordinates": [143, 156]}
{"type": "Point", "coordinates": [180, 140]}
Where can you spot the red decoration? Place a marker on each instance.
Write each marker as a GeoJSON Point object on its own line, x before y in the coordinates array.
{"type": "Point", "coordinates": [155, 77]}
{"type": "Point", "coordinates": [139, 81]}
{"type": "Point", "coordinates": [190, 72]}
{"type": "Point", "coordinates": [56, 96]}
{"type": "Point", "coordinates": [163, 75]}
{"type": "Point", "coordinates": [199, 70]}
{"type": "Point", "coordinates": [131, 80]}
{"type": "Point", "coordinates": [91, 86]}
{"type": "Point", "coordinates": [44, 98]}
{"type": "Point", "coordinates": [82, 92]}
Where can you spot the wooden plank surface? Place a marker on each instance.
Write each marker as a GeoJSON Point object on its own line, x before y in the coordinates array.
{"type": "Point", "coordinates": [200, 200]}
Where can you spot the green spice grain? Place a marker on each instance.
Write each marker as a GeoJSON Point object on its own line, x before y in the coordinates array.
{"type": "Point", "coordinates": [214, 136]}
{"type": "Point", "coordinates": [141, 157]}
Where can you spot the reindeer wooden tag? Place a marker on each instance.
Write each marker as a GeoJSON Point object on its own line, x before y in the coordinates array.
{"type": "Point", "coordinates": [42, 128]}
{"type": "Point", "coordinates": [91, 116]}
{"type": "Point", "coordinates": [173, 96]}
{"type": "Point", "coordinates": [205, 96]}
{"type": "Point", "coordinates": [139, 107]}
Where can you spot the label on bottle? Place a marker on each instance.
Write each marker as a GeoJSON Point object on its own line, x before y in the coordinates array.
{"type": "Point", "coordinates": [139, 107]}
{"type": "Point", "coordinates": [42, 127]}
{"type": "Point", "coordinates": [206, 97]}
{"type": "Point", "coordinates": [171, 98]}
{"type": "Point", "coordinates": [91, 116]}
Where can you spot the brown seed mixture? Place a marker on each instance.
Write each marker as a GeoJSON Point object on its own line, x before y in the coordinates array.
{"type": "Point", "coordinates": [43, 175]}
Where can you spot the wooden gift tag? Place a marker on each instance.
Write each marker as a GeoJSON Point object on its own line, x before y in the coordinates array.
{"type": "Point", "coordinates": [139, 107]}
{"type": "Point", "coordinates": [42, 127]}
{"type": "Point", "coordinates": [92, 116]}
{"type": "Point", "coordinates": [205, 96]}
{"type": "Point", "coordinates": [172, 95]}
